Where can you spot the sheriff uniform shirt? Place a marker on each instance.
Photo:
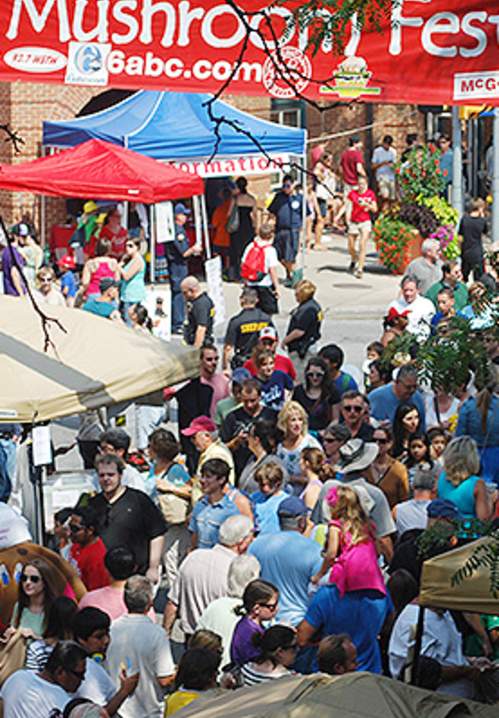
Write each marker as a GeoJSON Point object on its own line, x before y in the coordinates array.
{"type": "Point", "coordinates": [200, 313]}
{"type": "Point", "coordinates": [308, 318]}
{"type": "Point", "coordinates": [243, 330]}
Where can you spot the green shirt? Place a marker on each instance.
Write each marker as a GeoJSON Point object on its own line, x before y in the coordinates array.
{"type": "Point", "coordinates": [224, 407]}
{"type": "Point", "coordinates": [34, 621]}
{"type": "Point", "coordinates": [460, 294]}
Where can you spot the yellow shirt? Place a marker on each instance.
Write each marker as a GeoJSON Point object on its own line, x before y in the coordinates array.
{"type": "Point", "coordinates": [178, 700]}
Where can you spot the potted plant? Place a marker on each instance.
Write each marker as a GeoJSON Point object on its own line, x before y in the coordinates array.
{"type": "Point", "coordinates": [394, 240]}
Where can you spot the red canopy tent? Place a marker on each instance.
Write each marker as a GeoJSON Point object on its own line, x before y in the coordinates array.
{"type": "Point", "coordinates": [101, 170]}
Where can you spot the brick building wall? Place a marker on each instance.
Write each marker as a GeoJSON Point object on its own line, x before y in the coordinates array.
{"type": "Point", "coordinates": [395, 120]}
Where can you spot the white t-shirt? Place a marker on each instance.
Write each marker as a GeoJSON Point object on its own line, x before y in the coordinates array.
{"type": "Point", "coordinates": [97, 686]}
{"type": "Point", "coordinates": [143, 646]}
{"type": "Point", "coordinates": [220, 618]}
{"type": "Point", "coordinates": [445, 416]}
{"type": "Point", "coordinates": [420, 310]}
{"type": "Point", "coordinates": [26, 695]}
{"type": "Point", "coordinates": [441, 641]}
{"type": "Point", "coordinates": [271, 261]}
{"type": "Point", "coordinates": [382, 155]}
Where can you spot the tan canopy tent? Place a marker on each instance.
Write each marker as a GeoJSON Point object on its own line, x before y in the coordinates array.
{"type": "Point", "coordinates": [472, 594]}
{"type": "Point", "coordinates": [91, 362]}
{"type": "Point", "coordinates": [354, 695]}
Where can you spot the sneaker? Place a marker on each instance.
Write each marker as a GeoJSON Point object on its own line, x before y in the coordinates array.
{"type": "Point", "coordinates": [358, 273]}
{"type": "Point", "coordinates": [351, 268]}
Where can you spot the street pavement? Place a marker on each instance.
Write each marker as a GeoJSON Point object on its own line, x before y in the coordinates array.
{"type": "Point", "coordinates": [353, 310]}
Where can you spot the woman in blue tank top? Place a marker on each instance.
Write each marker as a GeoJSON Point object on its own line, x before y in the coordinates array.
{"type": "Point", "coordinates": [460, 482]}
{"type": "Point", "coordinates": [133, 269]}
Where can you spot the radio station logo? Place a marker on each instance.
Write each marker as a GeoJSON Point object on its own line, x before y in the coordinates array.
{"type": "Point", "coordinates": [87, 63]}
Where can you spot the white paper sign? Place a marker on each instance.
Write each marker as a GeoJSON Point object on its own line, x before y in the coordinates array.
{"type": "Point", "coordinates": [158, 304]}
{"type": "Point", "coordinates": [213, 268]}
{"type": "Point", "coordinates": [42, 450]}
{"type": "Point", "coordinates": [165, 222]}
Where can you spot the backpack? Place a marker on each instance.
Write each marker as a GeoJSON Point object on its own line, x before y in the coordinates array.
{"type": "Point", "coordinates": [253, 266]}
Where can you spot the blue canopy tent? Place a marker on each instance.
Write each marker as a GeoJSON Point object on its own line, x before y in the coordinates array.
{"type": "Point", "coordinates": [174, 126]}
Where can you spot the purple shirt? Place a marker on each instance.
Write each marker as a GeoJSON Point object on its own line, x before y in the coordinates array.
{"type": "Point", "coordinates": [7, 265]}
{"type": "Point", "coordinates": [242, 649]}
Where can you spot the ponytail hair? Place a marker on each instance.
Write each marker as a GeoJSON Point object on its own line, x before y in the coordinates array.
{"type": "Point", "coordinates": [273, 639]}
{"type": "Point", "coordinates": [257, 591]}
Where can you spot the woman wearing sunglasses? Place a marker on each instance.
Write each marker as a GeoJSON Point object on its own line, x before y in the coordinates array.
{"type": "Point", "coordinates": [36, 594]}
{"type": "Point", "coordinates": [317, 395]}
{"type": "Point", "coordinates": [389, 474]}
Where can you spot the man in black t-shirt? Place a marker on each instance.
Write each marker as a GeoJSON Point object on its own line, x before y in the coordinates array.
{"type": "Point", "coordinates": [198, 327]}
{"type": "Point", "coordinates": [128, 517]}
{"type": "Point", "coordinates": [472, 228]}
{"type": "Point", "coordinates": [238, 422]}
{"type": "Point", "coordinates": [243, 330]}
{"type": "Point", "coordinates": [304, 328]}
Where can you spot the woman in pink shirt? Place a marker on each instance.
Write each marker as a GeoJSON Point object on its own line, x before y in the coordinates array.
{"type": "Point", "coordinates": [99, 267]}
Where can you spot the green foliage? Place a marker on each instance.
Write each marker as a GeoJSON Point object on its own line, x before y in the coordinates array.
{"type": "Point", "coordinates": [443, 211]}
{"type": "Point", "coordinates": [420, 174]}
{"type": "Point", "coordinates": [328, 20]}
{"type": "Point", "coordinates": [484, 556]}
{"type": "Point", "coordinates": [392, 239]}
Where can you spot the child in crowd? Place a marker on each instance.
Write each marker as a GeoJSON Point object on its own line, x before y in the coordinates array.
{"type": "Point", "coordinates": [311, 463]}
{"type": "Point", "coordinates": [351, 546]}
{"type": "Point", "coordinates": [374, 352]}
{"type": "Point", "coordinates": [265, 502]}
{"type": "Point", "coordinates": [260, 602]}
{"type": "Point", "coordinates": [418, 452]}
{"type": "Point", "coordinates": [196, 674]}
{"type": "Point", "coordinates": [274, 383]}
{"type": "Point", "coordinates": [68, 278]}
{"type": "Point", "coordinates": [438, 439]}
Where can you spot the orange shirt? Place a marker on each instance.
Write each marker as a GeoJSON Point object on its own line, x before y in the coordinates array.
{"type": "Point", "coordinates": [221, 238]}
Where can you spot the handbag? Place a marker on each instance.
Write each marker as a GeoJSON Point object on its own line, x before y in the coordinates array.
{"type": "Point", "coordinates": [12, 655]}
{"type": "Point", "coordinates": [173, 508]}
{"type": "Point", "coordinates": [233, 219]}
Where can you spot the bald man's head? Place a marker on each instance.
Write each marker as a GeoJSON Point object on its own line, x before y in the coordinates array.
{"type": "Point", "coordinates": [190, 288]}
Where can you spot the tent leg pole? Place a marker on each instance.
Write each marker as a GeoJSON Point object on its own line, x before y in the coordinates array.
{"type": "Point", "coordinates": [36, 474]}
{"type": "Point", "coordinates": [304, 214]}
{"type": "Point", "coordinates": [152, 254]}
{"type": "Point", "coordinates": [417, 646]}
{"type": "Point", "coordinates": [204, 218]}
{"type": "Point", "coordinates": [43, 219]}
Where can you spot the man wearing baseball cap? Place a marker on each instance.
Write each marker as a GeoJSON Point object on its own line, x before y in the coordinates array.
{"type": "Point", "coordinates": [106, 304]}
{"type": "Point", "coordinates": [203, 433]}
{"type": "Point", "coordinates": [268, 339]}
{"type": "Point", "coordinates": [288, 559]}
{"type": "Point", "coordinates": [177, 253]}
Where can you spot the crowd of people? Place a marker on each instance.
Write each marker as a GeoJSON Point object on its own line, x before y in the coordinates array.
{"type": "Point", "coordinates": [278, 526]}
{"type": "Point", "coordinates": [284, 522]}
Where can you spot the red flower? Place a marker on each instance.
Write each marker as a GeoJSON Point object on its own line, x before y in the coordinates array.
{"type": "Point", "coordinates": [445, 173]}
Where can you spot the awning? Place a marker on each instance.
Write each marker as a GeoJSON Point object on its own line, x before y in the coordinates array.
{"type": "Point", "coordinates": [101, 170]}
{"type": "Point", "coordinates": [176, 126]}
{"type": "Point", "coordinates": [94, 362]}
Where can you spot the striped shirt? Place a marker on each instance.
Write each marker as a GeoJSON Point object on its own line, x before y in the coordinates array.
{"type": "Point", "coordinates": [252, 674]}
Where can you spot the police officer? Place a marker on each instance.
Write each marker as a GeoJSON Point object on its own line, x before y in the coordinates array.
{"type": "Point", "coordinates": [198, 326]}
{"type": "Point", "coordinates": [177, 253]}
{"type": "Point", "coordinates": [304, 328]}
{"type": "Point", "coordinates": [287, 207]}
{"type": "Point", "coordinates": [243, 330]}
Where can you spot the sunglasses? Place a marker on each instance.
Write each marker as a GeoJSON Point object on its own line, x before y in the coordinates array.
{"type": "Point", "coordinates": [329, 439]}
{"type": "Point", "coordinates": [31, 579]}
{"type": "Point", "coordinates": [130, 244]}
{"type": "Point", "coordinates": [270, 606]}
{"type": "Point", "coordinates": [381, 441]}
{"type": "Point", "coordinates": [43, 280]}
{"type": "Point", "coordinates": [356, 409]}
{"type": "Point", "coordinates": [74, 528]}
{"type": "Point", "coordinates": [315, 374]}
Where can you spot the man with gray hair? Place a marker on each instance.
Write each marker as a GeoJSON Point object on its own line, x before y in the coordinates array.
{"type": "Point", "coordinates": [289, 560]}
{"type": "Point", "coordinates": [220, 616]}
{"type": "Point", "coordinates": [385, 400]}
{"type": "Point", "coordinates": [143, 647]}
{"type": "Point", "coordinates": [428, 267]}
{"type": "Point", "coordinates": [203, 575]}
{"type": "Point", "coordinates": [418, 309]}
{"type": "Point", "coordinates": [412, 514]}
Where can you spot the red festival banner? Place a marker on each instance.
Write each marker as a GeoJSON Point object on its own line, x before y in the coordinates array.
{"type": "Point", "coordinates": [429, 52]}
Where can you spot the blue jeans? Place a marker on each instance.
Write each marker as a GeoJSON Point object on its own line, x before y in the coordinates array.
{"type": "Point", "coordinates": [178, 272]}
{"type": "Point", "coordinates": [8, 455]}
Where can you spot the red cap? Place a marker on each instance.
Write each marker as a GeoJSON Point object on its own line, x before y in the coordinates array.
{"type": "Point", "coordinates": [67, 262]}
{"type": "Point", "coordinates": [201, 423]}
